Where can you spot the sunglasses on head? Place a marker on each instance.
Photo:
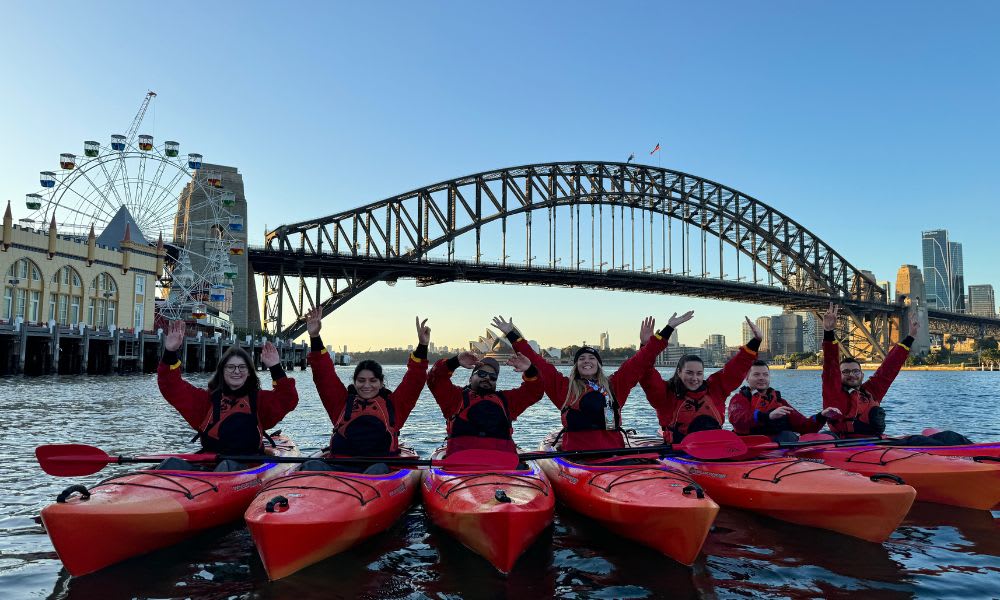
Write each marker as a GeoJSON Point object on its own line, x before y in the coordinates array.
{"type": "Point", "coordinates": [484, 374]}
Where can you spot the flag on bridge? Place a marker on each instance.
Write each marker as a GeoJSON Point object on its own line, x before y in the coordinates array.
{"type": "Point", "coordinates": [631, 157]}
{"type": "Point", "coordinates": [655, 150]}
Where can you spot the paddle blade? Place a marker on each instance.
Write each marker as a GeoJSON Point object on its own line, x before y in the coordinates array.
{"type": "Point", "coordinates": [479, 460]}
{"type": "Point", "coordinates": [70, 460]}
{"type": "Point", "coordinates": [716, 444]}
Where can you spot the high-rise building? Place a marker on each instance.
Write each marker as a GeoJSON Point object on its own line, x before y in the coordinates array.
{"type": "Point", "coordinates": [747, 333]}
{"type": "Point", "coordinates": [982, 301]}
{"type": "Point", "coordinates": [910, 283]}
{"type": "Point", "coordinates": [194, 210]}
{"type": "Point", "coordinates": [812, 331]}
{"type": "Point", "coordinates": [786, 334]}
{"type": "Point", "coordinates": [764, 324]}
{"type": "Point", "coordinates": [957, 277]}
{"type": "Point", "coordinates": [944, 274]}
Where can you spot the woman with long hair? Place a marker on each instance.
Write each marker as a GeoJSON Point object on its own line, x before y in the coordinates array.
{"type": "Point", "coordinates": [366, 415]}
{"type": "Point", "coordinates": [689, 402]}
{"type": "Point", "coordinates": [589, 400]}
{"type": "Point", "coordinates": [233, 413]}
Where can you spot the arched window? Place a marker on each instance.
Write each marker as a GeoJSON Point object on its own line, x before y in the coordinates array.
{"type": "Point", "coordinates": [65, 296]}
{"type": "Point", "coordinates": [103, 305]}
{"type": "Point", "coordinates": [23, 289]}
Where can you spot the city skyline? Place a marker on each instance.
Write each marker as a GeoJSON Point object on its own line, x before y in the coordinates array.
{"type": "Point", "coordinates": [318, 130]}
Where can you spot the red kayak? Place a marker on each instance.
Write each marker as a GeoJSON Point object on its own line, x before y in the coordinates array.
{"type": "Point", "coordinates": [145, 510]}
{"type": "Point", "coordinates": [307, 516]}
{"type": "Point", "coordinates": [805, 493]}
{"type": "Point", "coordinates": [955, 480]}
{"type": "Point", "coordinates": [652, 503]}
{"type": "Point", "coordinates": [495, 514]}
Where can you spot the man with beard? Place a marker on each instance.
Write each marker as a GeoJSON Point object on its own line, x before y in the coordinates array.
{"type": "Point", "coordinates": [480, 416]}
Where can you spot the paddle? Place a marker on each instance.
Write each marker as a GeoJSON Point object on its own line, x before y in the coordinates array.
{"type": "Point", "coordinates": [708, 445]}
{"type": "Point", "coordinates": [757, 444]}
{"type": "Point", "coordinates": [69, 460]}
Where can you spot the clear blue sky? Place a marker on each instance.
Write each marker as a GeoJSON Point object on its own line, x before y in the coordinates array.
{"type": "Point", "coordinates": [865, 121]}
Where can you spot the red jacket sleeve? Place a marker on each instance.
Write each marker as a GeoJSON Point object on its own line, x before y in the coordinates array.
{"type": "Point", "coordinates": [635, 368]}
{"type": "Point", "coordinates": [274, 404]}
{"type": "Point", "coordinates": [724, 382]}
{"type": "Point", "coordinates": [405, 396]}
{"type": "Point", "coordinates": [446, 394]}
{"type": "Point", "coordinates": [833, 387]}
{"type": "Point", "coordinates": [556, 384]}
{"type": "Point", "coordinates": [193, 403]}
{"type": "Point", "coordinates": [523, 396]}
{"type": "Point", "coordinates": [332, 391]}
{"type": "Point", "coordinates": [878, 384]}
{"type": "Point", "coordinates": [741, 414]}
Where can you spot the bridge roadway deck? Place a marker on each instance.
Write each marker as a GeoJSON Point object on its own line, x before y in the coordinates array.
{"type": "Point", "coordinates": [433, 271]}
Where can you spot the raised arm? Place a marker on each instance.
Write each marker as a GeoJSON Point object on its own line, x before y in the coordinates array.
{"type": "Point", "coordinates": [531, 389]}
{"type": "Point", "coordinates": [638, 366]}
{"type": "Point", "coordinates": [407, 393]}
{"type": "Point", "coordinates": [447, 394]}
{"type": "Point", "coordinates": [833, 387]}
{"type": "Point", "coordinates": [332, 391]}
{"type": "Point", "coordinates": [283, 398]}
{"type": "Point", "coordinates": [556, 384]}
{"type": "Point", "coordinates": [878, 384]}
{"type": "Point", "coordinates": [190, 401]}
{"type": "Point", "coordinates": [727, 380]}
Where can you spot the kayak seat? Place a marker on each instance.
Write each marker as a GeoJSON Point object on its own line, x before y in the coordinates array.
{"type": "Point", "coordinates": [175, 464]}
{"type": "Point", "coordinates": [229, 465]}
{"type": "Point", "coordinates": [315, 465]}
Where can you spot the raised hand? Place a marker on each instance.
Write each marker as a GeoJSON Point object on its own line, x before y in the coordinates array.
{"type": "Point", "coordinates": [914, 322]}
{"type": "Point", "coordinates": [269, 355]}
{"type": "Point", "coordinates": [831, 413]}
{"type": "Point", "coordinates": [830, 318]}
{"type": "Point", "coordinates": [646, 330]}
{"type": "Point", "coordinates": [506, 326]}
{"type": "Point", "coordinates": [313, 321]}
{"type": "Point", "coordinates": [674, 322]}
{"type": "Point", "coordinates": [175, 335]}
{"type": "Point", "coordinates": [520, 362]}
{"type": "Point", "coordinates": [753, 327]}
{"type": "Point", "coordinates": [468, 359]}
{"type": "Point", "coordinates": [423, 332]}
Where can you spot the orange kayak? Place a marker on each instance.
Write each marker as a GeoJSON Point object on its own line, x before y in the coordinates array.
{"type": "Point", "coordinates": [145, 510]}
{"type": "Point", "coordinates": [307, 516]}
{"type": "Point", "coordinates": [955, 480]}
{"type": "Point", "coordinates": [805, 493]}
{"type": "Point", "coordinates": [495, 514]}
{"type": "Point", "coordinates": [654, 504]}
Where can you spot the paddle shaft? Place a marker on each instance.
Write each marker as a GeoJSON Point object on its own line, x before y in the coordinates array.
{"type": "Point", "coordinates": [662, 449]}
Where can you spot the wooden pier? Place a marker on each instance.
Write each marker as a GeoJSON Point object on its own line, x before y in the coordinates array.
{"type": "Point", "coordinates": [34, 349]}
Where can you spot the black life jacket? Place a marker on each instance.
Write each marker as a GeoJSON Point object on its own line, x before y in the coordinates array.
{"type": "Point", "coordinates": [765, 402]}
{"type": "Point", "coordinates": [482, 416]}
{"type": "Point", "coordinates": [233, 426]}
{"type": "Point", "coordinates": [366, 427]}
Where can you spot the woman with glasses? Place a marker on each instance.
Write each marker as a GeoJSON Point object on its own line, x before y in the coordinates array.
{"type": "Point", "coordinates": [366, 415]}
{"type": "Point", "coordinates": [590, 401]}
{"type": "Point", "coordinates": [232, 415]}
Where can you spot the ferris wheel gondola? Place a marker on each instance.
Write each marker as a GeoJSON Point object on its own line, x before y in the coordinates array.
{"type": "Point", "coordinates": [131, 172]}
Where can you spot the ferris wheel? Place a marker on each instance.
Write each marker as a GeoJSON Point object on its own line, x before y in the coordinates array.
{"type": "Point", "coordinates": [150, 180]}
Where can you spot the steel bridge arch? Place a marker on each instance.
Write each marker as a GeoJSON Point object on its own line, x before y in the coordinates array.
{"type": "Point", "coordinates": [436, 216]}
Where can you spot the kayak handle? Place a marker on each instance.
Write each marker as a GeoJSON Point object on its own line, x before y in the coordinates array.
{"type": "Point", "coordinates": [694, 488]}
{"type": "Point", "coordinates": [275, 502]}
{"type": "Point", "coordinates": [980, 459]}
{"type": "Point", "coordinates": [502, 496]}
{"type": "Point", "coordinates": [889, 476]}
{"type": "Point", "coordinates": [66, 493]}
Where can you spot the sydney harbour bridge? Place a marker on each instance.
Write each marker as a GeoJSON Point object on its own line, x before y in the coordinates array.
{"type": "Point", "coordinates": [602, 225]}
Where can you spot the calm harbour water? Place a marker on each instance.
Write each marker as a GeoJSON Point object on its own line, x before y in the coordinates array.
{"type": "Point", "coordinates": [938, 552]}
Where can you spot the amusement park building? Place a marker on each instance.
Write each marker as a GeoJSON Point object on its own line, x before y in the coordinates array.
{"type": "Point", "coordinates": [52, 277]}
